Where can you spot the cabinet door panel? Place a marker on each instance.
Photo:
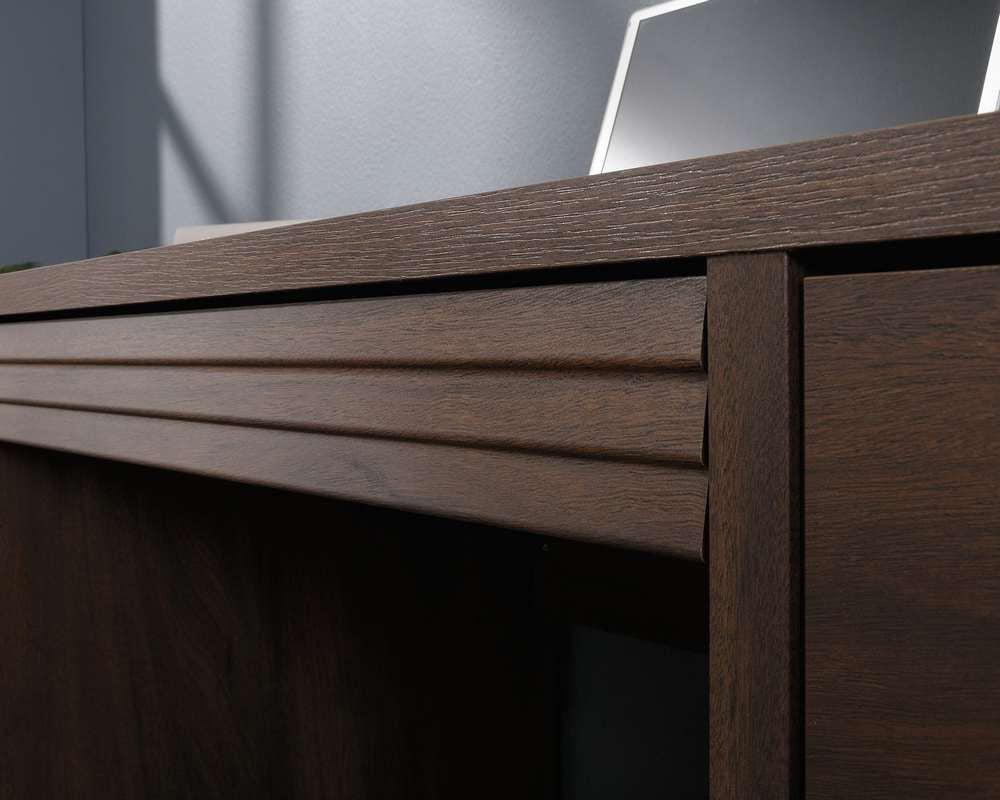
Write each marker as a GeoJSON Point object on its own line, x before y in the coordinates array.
{"type": "Point", "coordinates": [902, 534]}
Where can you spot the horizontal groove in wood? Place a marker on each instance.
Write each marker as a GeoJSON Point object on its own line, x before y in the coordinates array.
{"type": "Point", "coordinates": [911, 182]}
{"type": "Point", "coordinates": [646, 323]}
{"type": "Point", "coordinates": [642, 506]}
{"type": "Point", "coordinates": [644, 416]}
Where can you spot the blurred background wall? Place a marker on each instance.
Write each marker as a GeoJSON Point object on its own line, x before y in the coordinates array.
{"type": "Point", "coordinates": [238, 110]}
{"type": "Point", "coordinates": [43, 213]}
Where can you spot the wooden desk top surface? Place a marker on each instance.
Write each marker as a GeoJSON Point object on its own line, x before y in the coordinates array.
{"type": "Point", "coordinates": [926, 180]}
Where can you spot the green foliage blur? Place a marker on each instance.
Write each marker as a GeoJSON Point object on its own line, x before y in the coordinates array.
{"type": "Point", "coordinates": [17, 267]}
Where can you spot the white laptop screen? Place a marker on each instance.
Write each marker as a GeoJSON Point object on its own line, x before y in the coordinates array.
{"type": "Point", "coordinates": [724, 75]}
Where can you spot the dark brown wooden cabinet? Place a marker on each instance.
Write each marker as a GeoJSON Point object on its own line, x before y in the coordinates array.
{"type": "Point", "coordinates": [675, 482]}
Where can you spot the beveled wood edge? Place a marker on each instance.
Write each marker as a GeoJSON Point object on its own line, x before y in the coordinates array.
{"type": "Point", "coordinates": [639, 506]}
{"type": "Point", "coordinates": [926, 180]}
{"type": "Point", "coordinates": [654, 323]}
{"type": "Point", "coordinates": [656, 417]}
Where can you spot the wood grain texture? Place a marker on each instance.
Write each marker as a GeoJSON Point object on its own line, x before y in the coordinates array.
{"type": "Point", "coordinates": [902, 584]}
{"type": "Point", "coordinates": [754, 324]}
{"type": "Point", "coordinates": [640, 416]}
{"type": "Point", "coordinates": [911, 182]}
{"type": "Point", "coordinates": [160, 641]}
{"type": "Point", "coordinates": [135, 662]}
{"type": "Point", "coordinates": [650, 323]}
{"type": "Point", "coordinates": [642, 506]}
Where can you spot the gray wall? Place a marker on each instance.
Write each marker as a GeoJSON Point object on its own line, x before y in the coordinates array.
{"type": "Point", "coordinates": [42, 195]}
{"type": "Point", "coordinates": [240, 110]}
